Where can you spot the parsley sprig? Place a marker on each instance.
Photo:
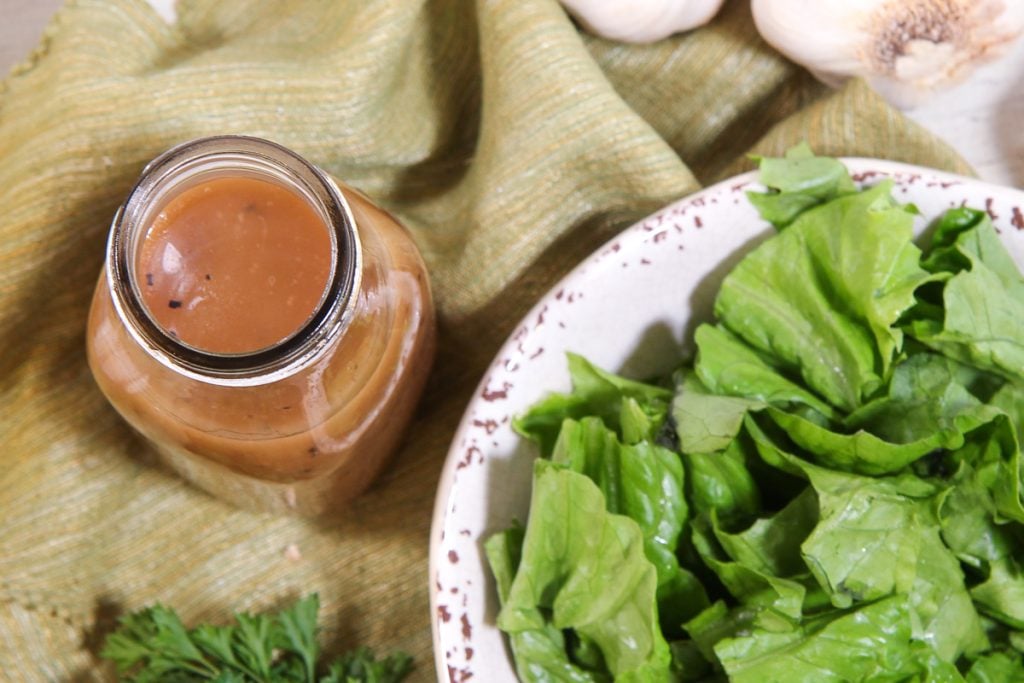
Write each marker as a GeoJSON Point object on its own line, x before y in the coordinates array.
{"type": "Point", "coordinates": [154, 645]}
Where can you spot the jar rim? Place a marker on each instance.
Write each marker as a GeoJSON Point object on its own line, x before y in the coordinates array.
{"type": "Point", "coordinates": [219, 156]}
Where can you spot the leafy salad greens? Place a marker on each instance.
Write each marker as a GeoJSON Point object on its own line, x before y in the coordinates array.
{"type": "Point", "coordinates": [831, 491]}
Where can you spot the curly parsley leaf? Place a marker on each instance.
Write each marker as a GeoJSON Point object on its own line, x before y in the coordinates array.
{"type": "Point", "coordinates": [154, 645]}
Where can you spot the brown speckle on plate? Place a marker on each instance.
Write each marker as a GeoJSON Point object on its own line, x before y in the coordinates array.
{"type": "Point", "coordinates": [865, 175]}
{"type": "Point", "coordinates": [489, 394]}
{"type": "Point", "coordinates": [467, 459]}
{"type": "Point", "coordinates": [989, 210]}
{"type": "Point", "coordinates": [488, 425]}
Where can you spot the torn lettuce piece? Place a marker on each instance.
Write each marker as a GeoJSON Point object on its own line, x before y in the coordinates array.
{"type": "Point", "coordinates": [994, 453]}
{"type": "Point", "coordinates": [772, 544]}
{"type": "Point", "coordinates": [727, 366]}
{"type": "Point", "coordinates": [644, 482]}
{"type": "Point", "coordinates": [1001, 595]}
{"type": "Point", "coordinates": [798, 182]}
{"type": "Point", "coordinates": [1010, 399]}
{"type": "Point", "coordinates": [781, 598]}
{"type": "Point", "coordinates": [586, 568]}
{"type": "Point", "coordinates": [719, 622]}
{"type": "Point", "coordinates": [820, 300]}
{"type": "Point", "coordinates": [860, 452]}
{"type": "Point", "coordinates": [624, 405]}
{"type": "Point", "coordinates": [722, 483]}
{"type": "Point", "coordinates": [707, 422]}
{"type": "Point", "coordinates": [967, 513]}
{"type": "Point", "coordinates": [688, 663]}
{"type": "Point", "coordinates": [981, 317]}
{"type": "Point", "coordinates": [929, 406]}
{"type": "Point", "coordinates": [870, 643]}
{"type": "Point", "coordinates": [878, 537]}
{"type": "Point", "coordinates": [873, 541]}
{"type": "Point", "coordinates": [997, 667]}
{"type": "Point", "coordinates": [929, 393]}
{"type": "Point", "coordinates": [539, 654]}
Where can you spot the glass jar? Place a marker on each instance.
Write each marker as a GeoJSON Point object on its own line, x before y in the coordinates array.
{"type": "Point", "coordinates": [299, 416]}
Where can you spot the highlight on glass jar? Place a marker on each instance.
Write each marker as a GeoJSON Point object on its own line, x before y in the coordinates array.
{"type": "Point", "coordinates": [267, 328]}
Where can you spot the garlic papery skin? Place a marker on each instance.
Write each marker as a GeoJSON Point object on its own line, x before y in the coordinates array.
{"type": "Point", "coordinates": [641, 21]}
{"type": "Point", "coordinates": [906, 49]}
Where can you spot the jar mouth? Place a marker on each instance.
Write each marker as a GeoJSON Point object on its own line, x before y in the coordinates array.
{"type": "Point", "coordinates": [190, 164]}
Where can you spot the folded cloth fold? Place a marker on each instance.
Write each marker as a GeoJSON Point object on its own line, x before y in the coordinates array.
{"type": "Point", "coordinates": [510, 145]}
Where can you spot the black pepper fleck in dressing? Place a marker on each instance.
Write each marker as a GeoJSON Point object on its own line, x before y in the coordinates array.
{"type": "Point", "coordinates": [174, 303]}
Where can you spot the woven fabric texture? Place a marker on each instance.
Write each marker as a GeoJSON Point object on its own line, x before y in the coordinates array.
{"type": "Point", "coordinates": [509, 144]}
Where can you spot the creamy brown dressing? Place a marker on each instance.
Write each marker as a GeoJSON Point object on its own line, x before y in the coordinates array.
{"type": "Point", "coordinates": [234, 265]}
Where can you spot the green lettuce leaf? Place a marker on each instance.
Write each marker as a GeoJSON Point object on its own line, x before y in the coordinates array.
{"type": "Point", "coordinates": [722, 483]}
{"type": "Point", "coordinates": [979, 321]}
{"type": "Point", "coordinates": [720, 622]}
{"type": "Point", "coordinates": [881, 536]}
{"type": "Point", "coordinates": [820, 300]}
{"type": "Point", "coordinates": [727, 366]}
{"type": "Point", "coordinates": [994, 452]}
{"type": "Point", "coordinates": [644, 482]}
{"type": "Point", "coordinates": [870, 643]}
{"type": "Point", "coordinates": [861, 451]}
{"type": "Point", "coordinates": [707, 422]}
{"type": "Point", "coordinates": [929, 393]}
{"type": "Point", "coordinates": [798, 182]}
{"type": "Point", "coordinates": [967, 513]}
{"type": "Point", "coordinates": [618, 401]}
{"type": "Point", "coordinates": [997, 667]}
{"type": "Point", "coordinates": [782, 598]}
{"type": "Point", "coordinates": [586, 568]}
{"type": "Point", "coordinates": [874, 541]}
{"type": "Point", "coordinates": [539, 654]}
{"type": "Point", "coordinates": [928, 407]}
{"type": "Point", "coordinates": [772, 544]}
{"type": "Point", "coordinates": [688, 663]}
{"type": "Point", "coordinates": [1010, 399]}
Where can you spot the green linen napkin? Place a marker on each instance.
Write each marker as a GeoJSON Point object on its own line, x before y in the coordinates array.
{"type": "Point", "coordinates": [508, 143]}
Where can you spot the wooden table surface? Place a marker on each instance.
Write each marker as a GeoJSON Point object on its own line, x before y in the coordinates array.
{"type": "Point", "coordinates": [982, 118]}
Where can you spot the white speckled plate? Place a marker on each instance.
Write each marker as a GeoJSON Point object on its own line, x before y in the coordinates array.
{"type": "Point", "coordinates": [629, 307]}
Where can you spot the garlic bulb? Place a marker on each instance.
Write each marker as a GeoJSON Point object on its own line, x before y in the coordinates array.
{"type": "Point", "coordinates": [641, 21]}
{"type": "Point", "coordinates": [904, 48]}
